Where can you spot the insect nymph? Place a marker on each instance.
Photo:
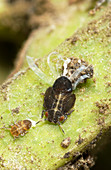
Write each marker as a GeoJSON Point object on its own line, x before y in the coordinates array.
{"type": "Point", "coordinates": [77, 71]}
{"type": "Point", "coordinates": [20, 128]}
{"type": "Point", "coordinates": [58, 101]}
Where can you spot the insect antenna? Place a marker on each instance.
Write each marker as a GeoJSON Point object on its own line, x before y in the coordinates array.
{"type": "Point", "coordinates": [4, 127]}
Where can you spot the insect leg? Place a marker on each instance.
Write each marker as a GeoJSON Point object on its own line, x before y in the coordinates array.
{"type": "Point", "coordinates": [70, 112]}
{"type": "Point", "coordinates": [61, 127]}
{"type": "Point", "coordinates": [24, 133]}
{"type": "Point", "coordinates": [5, 128]}
{"type": "Point", "coordinates": [15, 137]}
{"type": "Point", "coordinates": [65, 117]}
{"type": "Point", "coordinates": [45, 119]}
{"type": "Point", "coordinates": [41, 117]}
{"type": "Point", "coordinates": [42, 113]}
{"type": "Point", "coordinates": [39, 121]}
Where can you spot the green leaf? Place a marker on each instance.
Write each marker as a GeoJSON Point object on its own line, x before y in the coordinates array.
{"type": "Point", "coordinates": [21, 98]}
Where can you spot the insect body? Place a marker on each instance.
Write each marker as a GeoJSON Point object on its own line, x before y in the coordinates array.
{"type": "Point", "coordinates": [20, 128]}
{"type": "Point", "coordinates": [58, 101]}
{"type": "Point", "coordinates": [66, 142]}
{"type": "Point", "coordinates": [77, 71]}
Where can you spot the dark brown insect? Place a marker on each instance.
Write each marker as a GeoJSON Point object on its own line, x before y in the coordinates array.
{"type": "Point", "coordinates": [58, 101]}
{"type": "Point", "coordinates": [20, 128]}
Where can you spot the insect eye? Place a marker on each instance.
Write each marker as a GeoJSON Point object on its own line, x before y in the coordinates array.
{"type": "Point", "coordinates": [61, 118]}
{"type": "Point", "coordinates": [46, 114]}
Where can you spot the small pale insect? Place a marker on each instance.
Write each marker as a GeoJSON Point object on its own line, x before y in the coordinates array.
{"type": "Point", "coordinates": [20, 128]}
{"type": "Point", "coordinates": [66, 142]}
{"type": "Point", "coordinates": [77, 71]}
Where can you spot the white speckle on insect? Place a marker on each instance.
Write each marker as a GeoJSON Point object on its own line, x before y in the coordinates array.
{"type": "Point", "coordinates": [78, 71]}
{"type": "Point", "coordinates": [80, 79]}
{"type": "Point", "coordinates": [66, 62]}
{"type": "Point", "coordinates": [79, 61]}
